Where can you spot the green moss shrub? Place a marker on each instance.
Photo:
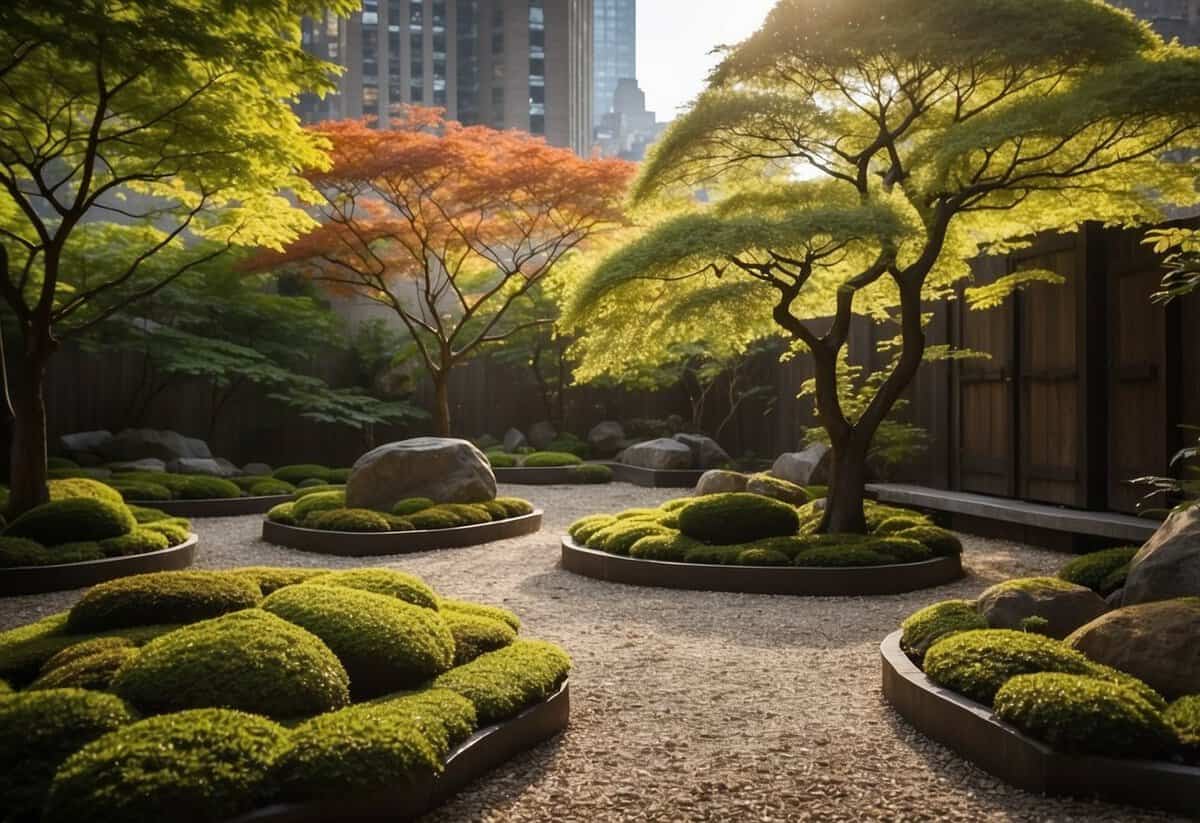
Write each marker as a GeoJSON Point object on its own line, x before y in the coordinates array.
{"type": "Point", "coordinates": [218, 768]}
{"type": "Point", "coordinates": [898, 524]}
{"type": "Point", "coordinates": [72, 520]}
{"type": "Point", "coordinates": [621, 535]}
{"type": "Point", "coordinates": [712, 555]}
{"type": "Point", "coordinates": [567, 442]}
{"type": "Point", "coordinates": [502, 683]}
{"type": "Point", "coordinates": [24, 651]}
{"type": "Point", "coordinates": [1095, 570]}
{"type": "Point", "coordinates": [348, 520]}
{"type": "Point", "coordinates": [139, 541]}
{"type": "Point", "coordinates": [251, 661]}
{"type": "Point", "coordinates": [468, 514]}
{"type": "Point", "coordinates": [385, 643]}
{"type": "Point", "coordinates": [305, 491]}
{"type": "Point", "coordinates": [173, 532]}
{"type": "Point", "coordinates": [87, 648]}
{"type": "Point", "coordinates": [762, 557]}
{"type": "Point", "coordinates": [926, 626]}
{"type": "Point", "coordinates": [549, 459]}
{"type": "Point", "coordinates": [270, 578]}
{"type": "Point", "coordinates": [495, 510]}
{"type": "Point", "coordinates": [161, 597]}
{"type": "Point", "coordinates": [515, 506]}
{"type": "Point", "coordinates": [481, 610]}
{"type": "Point", "coordinates": [585, 527]}
{"type": "Point", "coordinates": [301, 472]}
{"type": "Point", "coordinates": [310, 504]}
{"type": "Point", "coordinates": [1083, 715]}
{"type": "Point", "coordinates": [402, 586]}
{"type": "Point", "coordinates": [839, 556]}
{"type": "Point", "coordinates": [501, 460]}
{"type": "Point", "coordinates": [200, 487]}
{"type": "Point", "coordinates": [1183, 718]}
{"type": "Point", "coordinates": [284, 513]}
{"type": "Point", "coordinates": [669, 545]}
{"type": "Point", "coordinates": [435, 518]}
{"type": "Point", "coordinates": [877, 514]}
{"type": "Point", "coordinates": [41, 729]}
{"type": "Point", "coordinates": [412, 505]}
{"type": "Point", "coordinates": [270, 487]}
{"type": "Point", "coordinates": [591, 473]}
{"type": "Point", "coordinates": [474, 635]}
{"type": "Point", "coordinates": [778, 488]}
{"type": "Point", "coordinates": [18, 551]}
{"type": "Point", "coordinates": [91, 671]}
{"type": "Point", "coordinates": [340, 476]}
{"type": "Point", "coordinates": [737, 517]}
{"type": "Point", "coordinates": [942, 542]}
{"type": "Point", "coordinates": [144, 514]}
{"type": "Point", "coordinates": [141, 490]}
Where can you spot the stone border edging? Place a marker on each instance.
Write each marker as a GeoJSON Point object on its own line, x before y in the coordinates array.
{"type": "Point", "coordinates": [18, 580]}
{"type": "Point", "coordinates": [483, 751]}
{"type": "Point", "coordinates": [216, 506]}
{"type": "Point", "coordinates": [793, 580]}
{"type": "Point", "coordinates": [655, 478]}
{"type": "Point", "coordinates": [378, 544]}
{"type": "Point", "coordinates": [973, 731]}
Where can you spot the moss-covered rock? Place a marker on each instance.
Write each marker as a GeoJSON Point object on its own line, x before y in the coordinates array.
{"type": "Point", "coordinates": [406, 587]}
{"type": "Point", "coordinates": [161, 597]}
{"type": "Point", "coordinates": [270, 578]}
{"type": "Point", "coordinates": [839, 556]}
{"type": "Point", "coordinates": [876, 514]}
{"type": "Point", "coordinates": [41, 729]}
{"type": "Point", "coordinates": [482, 610]}
{"type": "Point", "coordinates": [769, 485]}
{"type": "Point", "coordinates": [475, 635]}
{"type": "Point", "coordinates": [541, 460]}
{"type": "Point", "coordinates": [898, 524]}
{"type": "Point", "coordinates": [1095, 570]}
{"type": "Point", "coordinates": [412, 505]}
{"type": "Point", "coordinates": [502, 683]}
{"type": "Point", "coordinates": [1083, 715]}
{"type": "Point", "coordinates": [300, 472]}
{"type": "Point", "coordinates": [1063, 605]}
{"type": "Point", "coordinates": [348, 520]}
{"type": "Point", "coordinates": [737, 517]}
{"type": "Point", "coordinates": [251, 661]}
{"type": "Point", "coordinates": [926, 626]}
{"type": "Point", "coordinates": [206, 766]}
{"type": "Point", "coordinates": [385, 643]}
{"type": "Point", "coordinates": [72, 520]}
{"type": "Point", "coordinates": [941, 542]}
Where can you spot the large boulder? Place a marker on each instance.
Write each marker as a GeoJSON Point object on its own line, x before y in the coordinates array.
{"type": "Point", "coordinates": [513, 440]}
{"type": "Point", "coordinates": [93, 441]}
{"type": "Point", "coordinates": [1169, 564]}
{"type": "Point", "coordinates": [202, 465]}
{"type": "Point", "coordinates": [719, 481]}
{"type": "Point", "coordinates": [706, 452]}
{"type": "Point", "coordinates": [606, 438]}
{"type": "Point", "coordinates": [663, 453]}
{"type": "Point", "coordinates": [166, 445]}
{"type": "Point", "coordinates": [804, 468]}
{"type": "Point", "coordinates": [1065, 606]}
{"type": "Point", "coordinates": [1156, 642]}
{"type": "Point", "coordinates": [443, 469]}
{"type": "Point", "coordinates": [146, 464]}
{"type": "Point", "coordinates": [542, 434]}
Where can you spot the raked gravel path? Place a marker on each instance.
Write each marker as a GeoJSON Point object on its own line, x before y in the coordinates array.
{"type": "Point", "coordinates": [694, 706]}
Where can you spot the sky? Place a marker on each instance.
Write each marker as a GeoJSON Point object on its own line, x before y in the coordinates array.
{"type": "Point", "coordinates": [674, 38]}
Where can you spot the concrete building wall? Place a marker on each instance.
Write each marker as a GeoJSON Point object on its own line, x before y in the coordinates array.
{"type": "Point", "coordinates": [614, 39]}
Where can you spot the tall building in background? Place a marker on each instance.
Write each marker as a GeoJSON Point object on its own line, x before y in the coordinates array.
{"type": "Point", "coordinates": [519, 64]}
{"type": "Point", "coordinates": [1170, 18]}
{"type": "Point", "coordinates": [615, 38]}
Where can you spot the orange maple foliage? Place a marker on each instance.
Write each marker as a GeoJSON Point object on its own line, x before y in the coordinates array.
{"type": "Point", "coordinates": [449, 226]}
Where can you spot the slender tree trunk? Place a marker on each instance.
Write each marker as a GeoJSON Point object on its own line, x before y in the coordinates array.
{"type": "Point", "coordinates": [6, 411]}
{"type": "Point", "coordinates": [28, 467]}
{"type": "Point", "coordinates": [847, 486]}
{"type": "Point", "coordinates": [441, 403]}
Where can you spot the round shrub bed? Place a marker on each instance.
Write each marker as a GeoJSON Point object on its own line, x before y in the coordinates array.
{"type": "Point", "coordinates": [318, 521]}
{"type": "Point", "coordinates": [746, 542]}
{"type": "Point", "coordinates": [260, 710]}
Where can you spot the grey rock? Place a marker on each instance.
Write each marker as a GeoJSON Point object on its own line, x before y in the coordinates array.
{"type": "Point", "coordinates": [166, 445]}
{"type": "Point", "coordinates": [197, 447]}
{"type": "Point", "coordinates": [443, 469]}
{"type": "Point", "coordinates": [228, 467]}
{"type": "Point", "coordinates": [542, 434]}
{"type": "Point", "coordinates": [706, 452]}
{"type": "Point", "coordinates": [1168, 565]}
{"type": "Point", "coordinates": [804, 468]}
{"type": "Point", "coordinates": [1157, 642]}
{"type": "Point", "coordinates": [606, 438]}
{"type": "Point", "coordinates": [663, 453]}
{"type": "Point", "coordinates": [92, 441]}
{"type": "Point", "coordinates": [718, 481]}
{"type": "Point", "coordinates": [256, 469]}
{"type": "Point", "coordinates": [514, 439]}
{"type": "Point", "coordinates": [1114, 599]}
{"type": "Point", "coordinates": [87, 459]}
{"type": "Point", "coordinates": [1065, 606]}
{"type": "Point", "coordinates": [201, 465]}
{"type": "Point", "coordinates": [146, 464]}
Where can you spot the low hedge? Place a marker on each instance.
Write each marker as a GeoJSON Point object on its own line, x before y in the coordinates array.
{"type": "Point", "coordinates": [475, 635]}
{"type": "Point", "coordinates": [502, 683]}
{"type": "Point", "coordinates": [216, 769]}
{"type": "Point", "coordinates": [160, 597]}
{"type": "Point", "coordinates": [547, 460]}
{"type": "Point", "coordinates": [385, 643]}
{"type": "Point", "coordinates": [926, 626]}
{"type": "Point", "coordinates": [1083, 715]}
{"type": "Point", "coordinates": [1096, 570]}
{"type": "Point", "coordinates": [71, 520]}
{"type": "Point", "coordinates": [402, 586]}
{"type": "Point", "coordinates": [737, 517]}
{"type": "Point", "coordinates": [301, 472]}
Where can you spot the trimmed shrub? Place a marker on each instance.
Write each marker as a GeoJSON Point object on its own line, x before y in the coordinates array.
{"type": "Point", "coordinates": [91, 671]}
{"type": "Point", "coordinates": [1183, 717]}
{"type": "Point", "coordinates": [173, 532]}
{"type": "Point", "coordinates": [926, 626]}
{"type": "Point", "coordinates": [301, 472]}
{"type": "Point", "coordinates": [515, 506]}
{"type": "Point", "coordinates": [200, 487]}
{"type": "Point", "coordinates": [640, 514]}
{"type": "Point", "coordinates": [713, 555]}
{"type": "Point", "coordinates": [269, 578]}
{"type": "Point", "coordinates": [138, 541]}
{"type": "Point", "coordinates": [24, 651]}
{"type": "Point", "coordinates": [475, 635]}
{"type": "Point", "coordinates": [385, 643]}
{"type": "Point", "coordinates": [72, 520]}
{"type": "Point", "coordinates": [1095, 569]}
{"type": "Point", "coordinates": [1082, 715]}
{"type": "Point", "coordinates": [305, 491]}
{"type": "Point", "coordinates": [877, 514]}
{"type": "Point", "coordinates": [144, 515]}
{"type": "Point", "coordinates": [469, 514]}
{"type": "Point", "coordinates": [539, 460]}
{"type": "Point", "coordinates": [399, 524]}
{"type": "Point", "coordinates": [589, 473]}
{"type": "Point", "coordinates": [762, 557]}
{"type": "Point", "coordinates": [842, 556]}
{"type": "Point", "coordinates": [501, 460]}
{"type": "Point", "coordinates": [620, 536]}
{"type": "Point", "coordinates": [41, 729]}
{"type": "Point", "coordinates": [495, 510]}
{"type": "Point", "coordinates": [251, 661]}
{"type": "Point", "coordinates": [669, 545]}
{"type": "Point", "coordinates": [283, 513]}
{"type": "Point", "coordinates": [435, 518]}
{"type": "Point", "coordinates": [348, 520]}
{"type": "Point", "coordinates": [905, 550]}
{"type": "Point", "coordinates": [677, 504]}
{"type": "Point", "coordinates": [585, 527]}
{"type": "Point", "coordinates": [737, 517]}
{"type": "Point", "coordinates": [202, 765]}
{"type": "Point", "coordinates": [135, 490]}
{"type": "Point", "coordinates": [311, 483]}
{"type": "Point", "coordinates": [412, 505]}
{"type": "Point", "coordinates": [502, 683]}
{"type": "Point", "coordinates": [159, 597]}
{"type": "Point", "coordinates": [319, 502]}
{"type": "Point", "coordinates": [898, 524]}
{"type": "Point", "coordinates": [269, 487]}
{"type": "Point", "coordinates": [245, 481]}
{"type": "Point", "coordinates": [406, 587]}
{"type": "Point", "coordinates": [942, 542]}
{"type": "Point", "coordinates": [17, 551]}
{"type": "Point", "coordinates": [481, 610]}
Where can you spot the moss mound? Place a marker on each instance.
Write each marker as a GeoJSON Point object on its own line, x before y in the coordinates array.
{"type": "Point", "coordinates": [778, 488]}
{"type": "Point", "coordinates": [250, 661]}
{"type": "Point", "coordinates": [1183, 718]}
{"type": "Point", "coordinates": [19, 551]}
{"type": "Point", "coordinates": [301, 472]}
{"type": "Point", "coordinates": [174, 532]}
{"type": "Point", "coordinates": [515, 506]}
{"type": "Point", "coordinates": [502, 683]}
{"type": "Point", "coordinates": [762, 557]}
{"type": "Point", "coordinates": [481, 610]}
{"type": "Point", "coordinates": [91, 671]}
{"type": "Point", "coordinates": [898, 524]}
{"type": "Point", "coordinates": [82, 487]}
{"type": "Point", "coordinates": [669, 545]}
{"type": "Point", "coordinates": [712, 555]}
{"type": "Point", "coordinates": [1083, 715]}
{"type": "Point", "coordinates": [200, 487]}
{"type": "Point", "coordinates": [1099, 571]}
{"type": "Point", "coordinates": [412, 505]}
{"type": "Point", "coordinates": [540, 460]}
{"type": "Point", "coordinates": [501, 460]}
{"type": "Point", "coordinates": [941, 542]}
{"type": "Point", "coordinates": [217, 768]}
{"type": "Point", "coordinates": [305, 491]}
{"type": "Point", "coordinates": [622, 534]}
{"type": "Point", "coordinates": [590, 473]}
{"type": "Point", "coordinates": [385, 643]}
{"type": "Point", "coordinates": [737, 517]}
{"type": "Point", "coordinates": [468, 514]}
{"type": "Point", "coordinates": [311, 504]}
{"type": "Point", "coordinates": [24, 651]}
{"type": "Point", "coordinates": [161, 597]}
{"type": "Point", "coordinates": [348, 520]}
{"type": "Point", "coordinates": [270, 578]}
{"type": "Point", "coordinates": [926, 626]}
{"type": "Point", "coordinates": [269, 487]}
{"type": "Point", "coordinates": [86, 649]}
{"type": "Point", "coordinates": [435, 518]}
{"type": "Point", "coordinates": [139, 541]}
{"type": "Point", "coordinates": [904, 549]}
{"type": "Point", "coordinates": [581, 530]}
{"type": "Point", "coordinates": [474, 635]}
{"type": "Point", "coordinates": [837, 556]}
{"type": "Point", "coordinates": [41, 729]}
{"type": "Point", "coordinates": [141, 490]}
{"type": "Point", "coordinates": [284, 513]}
{"type": "Point", "coordinates": [406, 587]}
{"type": "Point", "coordinates": [145, 514]}
{"type": "Point", "coordinates": [71, 520]}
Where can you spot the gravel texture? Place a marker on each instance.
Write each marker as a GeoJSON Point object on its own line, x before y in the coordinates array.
{"type": "Point", "coordinates": [694, 706]}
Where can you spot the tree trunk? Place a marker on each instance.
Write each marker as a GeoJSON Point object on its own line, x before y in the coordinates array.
{"type": "Point", "coordinates": [441, 404]}
{"type": "Point", "coordinates": [28, 466]}
{"type": "Point", "coordinates": [847, 487]}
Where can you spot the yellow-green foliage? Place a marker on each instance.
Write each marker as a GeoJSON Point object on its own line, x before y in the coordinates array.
{"type": "Point", "coordinates": [737, 518]}
{"type": "Point", "coordinates": [621, 535]}
{"type": "Point", "coordinates": [321, 501]}
{"type": "Point", "coordinates": [269, 578]}
{"type": "Point", "coordinates": [406, 587]}
{"type": "Point", "coordinates": [474, 635]}
{"type": "Point", "coordinates": [348, 520]}
{"type": "Point", "coordinates": [481, 610]}
{"type": "Point", "coordinates": [502, 683]}
{"type": "Point", "coordinates": [926, 626]}
{"type": "Point", "coordinates": [161, 597]}
{"type": "Point", "coordinates": [73, 519]}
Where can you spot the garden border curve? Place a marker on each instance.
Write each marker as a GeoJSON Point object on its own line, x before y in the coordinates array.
{"type": "Point", "coordinates": [215, 506]}
{"type": "Point", "coordinates": [379, 544]}
{"type": "Point", "coordinates": [18, 580]}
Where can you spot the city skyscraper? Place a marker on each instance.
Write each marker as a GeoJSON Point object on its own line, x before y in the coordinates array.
{"type": "Point", "coordinates": [1170, 18]}
{"type": "Point", "coordinates": [615, 39]}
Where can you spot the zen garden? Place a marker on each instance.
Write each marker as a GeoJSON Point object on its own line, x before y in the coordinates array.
{"type": "Point", "coordinates": [834, 460]}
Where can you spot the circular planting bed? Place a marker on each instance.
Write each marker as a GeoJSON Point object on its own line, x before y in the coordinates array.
{"type": "Point", "coordinates": [372, 544]}
{"type": "Point", "coordinates": [266, 694]}
{"type": "Point", "coordinates": [191, 495]}
{"type": "Point", "coordinates": [217, 506]}
{"type": "Point", "coordinates": [86, 535]}
{"type": "Point", "coordinates": [741, 542]}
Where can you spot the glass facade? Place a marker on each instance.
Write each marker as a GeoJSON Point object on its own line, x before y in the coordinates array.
{"type": "Point", "coordinates": [537, 67]}
{"type": "Point", "coordinates": [467, 42]}
{"type": "Point", "coordinates": [614, 36]}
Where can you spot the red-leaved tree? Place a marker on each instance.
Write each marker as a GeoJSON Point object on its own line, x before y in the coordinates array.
{"type": "Point", "coordinates": [450, 227]}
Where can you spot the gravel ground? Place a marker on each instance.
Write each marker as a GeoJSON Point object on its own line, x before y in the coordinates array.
{"type": "Point", "coordinates": [694, 706]}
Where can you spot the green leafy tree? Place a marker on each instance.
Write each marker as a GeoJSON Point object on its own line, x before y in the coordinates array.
{"type": "Point", "coordinates": [858, 154]}
{"type": "Point", "coordinates": [139, 139]}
